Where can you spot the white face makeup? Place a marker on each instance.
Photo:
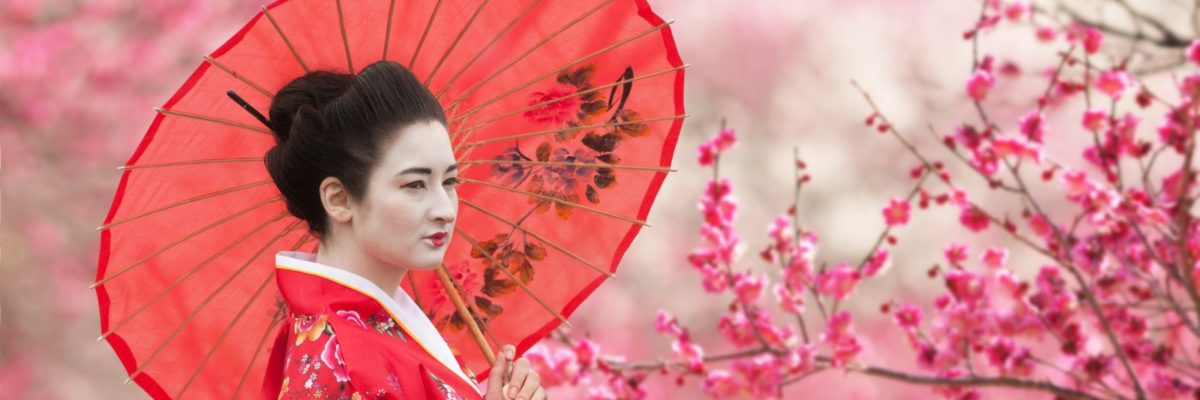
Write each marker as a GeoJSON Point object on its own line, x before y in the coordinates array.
{"type": "Point", "coordinates": [411, 195]}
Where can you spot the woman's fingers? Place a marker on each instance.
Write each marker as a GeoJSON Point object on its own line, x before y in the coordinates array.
{"type": "Point", "coordinates": [496, 381]}
{"type": "Point", "coordinates": [532, 383]}
{"type": "Point", "coordinates": [520, 369]}
{"type": "Point", "coordinates": [540, 394]}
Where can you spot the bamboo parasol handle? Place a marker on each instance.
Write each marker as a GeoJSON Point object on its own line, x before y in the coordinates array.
{"type": "Point", "coordinates": [444, 277]}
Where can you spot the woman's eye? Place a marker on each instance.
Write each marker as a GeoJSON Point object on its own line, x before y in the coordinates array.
{"type": "Point", "coordinates": [416, 185]}
{"type": "Point", "coordinates": [452, 182]}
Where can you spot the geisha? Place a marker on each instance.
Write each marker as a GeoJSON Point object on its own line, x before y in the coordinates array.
{"type": "Point", "coordinates": [366, 161]}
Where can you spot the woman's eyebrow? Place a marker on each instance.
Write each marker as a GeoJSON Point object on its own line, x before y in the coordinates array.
{"type": "Point", "coordinates": [426, 171]}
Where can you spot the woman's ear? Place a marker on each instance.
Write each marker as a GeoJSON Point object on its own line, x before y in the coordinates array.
{"type": "Point", "coordinates": [336, 200]}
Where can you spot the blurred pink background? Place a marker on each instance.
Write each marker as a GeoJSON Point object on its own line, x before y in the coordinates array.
{"type": "Point", "coordinates": [79, 79]}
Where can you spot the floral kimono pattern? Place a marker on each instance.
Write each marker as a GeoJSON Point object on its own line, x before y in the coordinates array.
{"type": "Point", "coordinates": [344, 339]}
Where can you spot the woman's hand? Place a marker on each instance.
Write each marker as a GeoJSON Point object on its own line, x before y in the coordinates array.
{"type": "Point", "coordinates": [513, 380]}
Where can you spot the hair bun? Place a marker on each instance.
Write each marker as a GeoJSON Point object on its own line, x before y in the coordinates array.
{"type": "Point", "coordinates": [304, 99]}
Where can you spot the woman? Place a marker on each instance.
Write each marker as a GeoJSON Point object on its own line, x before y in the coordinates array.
{"type": "Point", "coordinates": [366, 161]}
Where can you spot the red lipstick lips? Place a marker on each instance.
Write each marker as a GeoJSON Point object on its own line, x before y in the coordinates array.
{"type": "Point", "coordinates": [437, 239]}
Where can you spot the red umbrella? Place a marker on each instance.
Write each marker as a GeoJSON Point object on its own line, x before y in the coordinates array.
{"type": "Point", "coordinates": [564, 117]}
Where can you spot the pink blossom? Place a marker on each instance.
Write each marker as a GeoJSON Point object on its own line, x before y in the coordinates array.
{"type": "Point", "coordinates": [1040, 226]}
{"type": "Point", "coordinates": [1094, 118]}
{"type": "Point", "coordinates": [1018, 147]}
{"type": "Point", "coordinates": [955, 253]}
{"type": "Point", "coordinates": [965, 285]}
{"type": "Point", "coordinates": [555, 367]}
{"type": "Point", "coordinates": [761, 374]}
{"type": "Point", "coordinates": [837, 335]}
{"type": "Point", "coordinates": [994, 257]}
{"type": "Point", "coordinates": [690, 353]}
{"type": "Point", "coordinates": [838, 282]}
{"type": "Point", "coordinates": [1091, 38]}
{"type": "Point", "coordinates": [878, 263]}
{"type": "Point", "coordinates": [958, 197]}
{"type": "Point", "coordinates": [1015, 10]}
{"type": "Point", "coordinates": [974, 219]}
{"type": "Point", "coordinates": [789, 300]}
{"type": "Point", "coordinates": [725, 139]}
{"type": "Point", "coordinates": [748, 287]}
{"type": "Point", "coordinates": [721, 384]}
{"type": "Point", "coordinates": [908, 317]}
{"type": "Point", "coordinates": [715, 279]}
{"type": "Point", "coordinates": [664, 322]}
{"type": "Point", "coordinates": [781, 234]}
{"type": "Point", "coordinates": [1193, 52]}
{"type": "Point", "coordinates": [736, 329]}
{"type": "Point", "coordinates": [1046, 33]}
{"type": "Point", "coordinates": [1033, 125]}
{"type": "Point", "coordinates": [707, 154]}
{"type": "Point", "coordinates": [586, 351]}
{"type": "Point", "coordinates": [1190, 88]}
{"type": "Point", "coordinates": [1114, 83]}
{"type": "Point", "coordinates": [979, 85]}
{"type": "Point", "coordinates": [896, 212]}
{"type": "Point", "coordinates": [710, 150]}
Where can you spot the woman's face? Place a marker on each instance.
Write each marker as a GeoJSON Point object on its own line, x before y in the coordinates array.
{"type": "Point", "coordinates": [410, 196]}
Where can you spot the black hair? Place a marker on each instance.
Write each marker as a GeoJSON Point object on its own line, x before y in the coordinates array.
{"type": "Point", "coordinates": [335, 124]}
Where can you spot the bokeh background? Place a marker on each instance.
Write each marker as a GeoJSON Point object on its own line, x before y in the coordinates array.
{"type": "Point", "coordinates": [79, 79]}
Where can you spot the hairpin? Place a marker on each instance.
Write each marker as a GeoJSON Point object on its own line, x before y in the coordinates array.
{"type": "Point", "coordinates": [250, 109]}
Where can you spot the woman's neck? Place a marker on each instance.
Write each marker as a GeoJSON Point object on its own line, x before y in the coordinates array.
{"type": "Point", "coordinates": [354, 260]}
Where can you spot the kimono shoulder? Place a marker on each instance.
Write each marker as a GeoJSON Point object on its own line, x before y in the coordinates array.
{"type": "Point", "coordinates": [339, 343]}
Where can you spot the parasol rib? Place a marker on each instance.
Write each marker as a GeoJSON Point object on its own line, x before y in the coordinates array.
{"type": "Point", "coordinates": [183, 239]}
{"type": "Point", "coordinates": [285, 39]}
{"type": "Point", "coordinates": [183, 202]}
{"type": "Point", "coordinates": [345, 40]}
{"type": "Point", "coordinates": [190, 162]}
{"type": "Point", "coordinates": [191, 272]}
{"type": "Point", "coordinates": [524, 288]}
{"type": "Point", "coordinates": [484, 49]}
{"type": "Point", "coordinates": [239, 77]}
{"type": "Point", "coordinates": [257, 350]}
{"type": "Point", "coordinates": [241, 312]}
{"type": "Point", "coordinates": [538, 237]}
{"type": "Point", "coordinates": [556, 200]}
{"type": "Point", "coordinates": [211, 119]}
{"type": "Point", "coordinates": [212, 295]}
{"type": "Point", "coordinates": [412, 63]}
{"type": "Point", "coordinates": [547, 39]}
{"type": "Point", "coordinates": [453, 44]}
{"type": "Point", "coordinates": [567, 129]}
{"type": "Point", "coordinates": [387, 33]}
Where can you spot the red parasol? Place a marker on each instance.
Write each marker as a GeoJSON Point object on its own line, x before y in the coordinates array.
{"type": "Point", "coordinates": [564, 117]}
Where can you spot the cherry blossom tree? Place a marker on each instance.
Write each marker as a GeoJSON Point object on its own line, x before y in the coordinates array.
{"type": "Point", "coordinates": [1112, 310]}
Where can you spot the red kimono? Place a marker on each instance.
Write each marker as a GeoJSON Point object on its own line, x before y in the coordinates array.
{"type": "Point", "coordinates": [345, 338]}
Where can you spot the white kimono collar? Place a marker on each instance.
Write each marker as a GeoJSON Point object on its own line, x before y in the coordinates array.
{"type": "Point", "coordinates": [398, 304]}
